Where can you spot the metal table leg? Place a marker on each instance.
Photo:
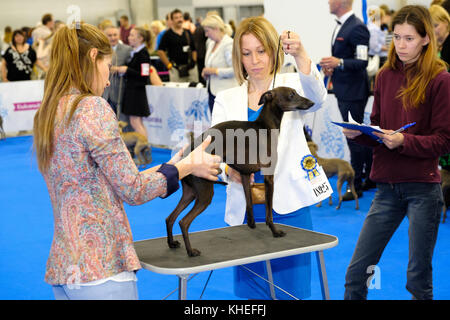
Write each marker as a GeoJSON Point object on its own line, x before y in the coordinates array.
{"type": "Point", "coordinates": [182, 286]}
{"type": "Point", "coordinates": [322, 275]}
{"type": "Point", "coordinates": [270, 278]}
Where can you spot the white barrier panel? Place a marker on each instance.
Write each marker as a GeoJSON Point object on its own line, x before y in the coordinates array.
{"type": "Point", "coordinates": [174, 113]}
{"type": "Point", "coordinates": [328, 136]}
{"type": "Point", "coordinates": [19, 101]}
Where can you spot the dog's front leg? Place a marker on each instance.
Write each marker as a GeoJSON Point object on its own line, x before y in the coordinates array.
{"type": "Point", "coordinates": [268, 184]}
{"type": "Point", "coordinates": [245, 178]}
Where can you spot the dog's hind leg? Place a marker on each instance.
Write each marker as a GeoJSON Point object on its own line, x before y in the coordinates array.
{"type": "Point", "coordinates": [268, 183]}
{"type": "Point", "coordinates": [138, 150]}
{"type": "Point", "coordinates": [351, 183]}
{"type": "Point", "coordinates": [339, 189]}
{"type": "Point", "coordinates": [245, 178]}
{"type": "Point", "coordinates": [187, 197]}
{"type": "Point", "coordinates": [204, 191]}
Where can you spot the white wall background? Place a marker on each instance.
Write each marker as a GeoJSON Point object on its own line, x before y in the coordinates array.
{"type": "Point", "coordinates": [313, 22]}
{"type": "Point", "coordinates": [310, 18]}
{"type": "Point", "coordinates": [19, 13]}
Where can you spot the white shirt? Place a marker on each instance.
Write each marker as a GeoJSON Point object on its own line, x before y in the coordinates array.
{"type": "Point", "coordinates": [342, 20]}
{"type": "Point", "coordinates": [137, 49]}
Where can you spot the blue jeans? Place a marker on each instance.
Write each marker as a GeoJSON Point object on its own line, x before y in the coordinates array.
{"type": "Point", "coordinates": [109, 290]}
{"type": "Point", "coordinates": [422, 204]}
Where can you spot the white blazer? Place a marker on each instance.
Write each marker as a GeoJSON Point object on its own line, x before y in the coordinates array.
{"type": "Point", "coordinates": [220, 59]}
{"type": "Point", "coordinates": [291, 187]}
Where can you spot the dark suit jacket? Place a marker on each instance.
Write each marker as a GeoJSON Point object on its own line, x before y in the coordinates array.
{"type": "Point", "coordinates": [351, 82]}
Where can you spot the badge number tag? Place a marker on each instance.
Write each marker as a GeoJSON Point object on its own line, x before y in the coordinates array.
{"type": "Point", "coordinates": [361, 52]}
{"type": "Point", "coordinates": [320, 186]}
{"type": "Point", "coordinates": [145, 69]}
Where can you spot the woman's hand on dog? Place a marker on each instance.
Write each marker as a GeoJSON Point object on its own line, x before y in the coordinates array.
{"type": "Point", "coordinates": [198, 162]}
{"type": "Point", "coordinates": [235, 176]}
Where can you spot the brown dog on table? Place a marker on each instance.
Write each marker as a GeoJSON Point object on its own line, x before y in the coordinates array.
{"type": "Point", "coordinates": [338, 167]}
{"type": "Point", "coordinates": [276, 102]}
{"type": "Point", "coordinates": [138, 141]}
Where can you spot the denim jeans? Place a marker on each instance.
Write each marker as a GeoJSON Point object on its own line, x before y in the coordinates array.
{"type": "Point", "coordinates": [109, 290]}
{"type": "Point", "coordinates": [422, 203]}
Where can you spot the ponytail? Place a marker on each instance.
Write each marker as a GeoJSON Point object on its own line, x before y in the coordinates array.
{"type": "Point", "coordinates": [146, 36]}
{"type": "Point", "coordinates": [71, 67]}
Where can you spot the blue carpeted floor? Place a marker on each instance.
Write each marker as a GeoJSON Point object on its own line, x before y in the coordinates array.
{"type": "Point", "coordinates": [26, 231]}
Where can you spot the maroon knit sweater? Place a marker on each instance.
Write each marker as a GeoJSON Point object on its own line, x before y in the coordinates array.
{"type": "Point", "coordinates": [417, 159]}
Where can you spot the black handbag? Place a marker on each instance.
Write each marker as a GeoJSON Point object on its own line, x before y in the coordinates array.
{"type": "Point", "coordinates": [183, 70]}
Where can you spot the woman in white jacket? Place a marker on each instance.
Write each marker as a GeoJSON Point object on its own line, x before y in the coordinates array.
{"type": "Point", "coordinates": [218, 70]}
{"type": "Point", "coordinates": [254, 54]}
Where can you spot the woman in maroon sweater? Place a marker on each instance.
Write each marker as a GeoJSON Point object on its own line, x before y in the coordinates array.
{"type": "Point", "coordinates": [413, 86]}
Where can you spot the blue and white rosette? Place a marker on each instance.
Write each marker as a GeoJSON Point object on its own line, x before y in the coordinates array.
{"type": "Point", "coordinates": [309, 165]}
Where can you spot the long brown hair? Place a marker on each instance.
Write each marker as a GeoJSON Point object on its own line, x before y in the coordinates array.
{"type": "Point", "coordinates": [428, 65]}
{"type": "Point", "coordinates": [71, 67]}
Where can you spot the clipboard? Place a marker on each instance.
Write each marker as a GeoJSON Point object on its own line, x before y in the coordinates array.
{"type": "Point", "coordinates": [365, 129]}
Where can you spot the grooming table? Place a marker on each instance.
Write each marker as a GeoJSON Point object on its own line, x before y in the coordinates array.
{"type": "Point", "coordinates": [233, 246]}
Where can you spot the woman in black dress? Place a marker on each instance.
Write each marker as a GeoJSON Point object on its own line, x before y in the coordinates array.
{"type": "Point", "coordinates": [138, 73]}
{"type": "Point", "coordinates": [18, 59]}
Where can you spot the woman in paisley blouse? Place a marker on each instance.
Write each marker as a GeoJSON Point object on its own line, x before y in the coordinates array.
{"type": "Point", "coordinates": [89, 172]}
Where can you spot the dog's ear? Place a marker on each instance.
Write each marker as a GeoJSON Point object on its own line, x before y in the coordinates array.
{"type": "Point", "coordinates": [266, 97]}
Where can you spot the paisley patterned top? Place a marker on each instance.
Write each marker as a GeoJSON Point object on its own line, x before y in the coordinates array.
{"type": "Point", "coordinates": [91, 173]}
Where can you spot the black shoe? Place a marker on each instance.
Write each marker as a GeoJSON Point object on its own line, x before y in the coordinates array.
{"type": "Point", "coordinates": [368, 184]}
{"type": "Point", "coordinates": [349, 195]}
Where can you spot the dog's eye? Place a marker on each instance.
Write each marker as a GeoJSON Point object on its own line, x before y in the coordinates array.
{"type": "Point", "coordinates": [291, 96]}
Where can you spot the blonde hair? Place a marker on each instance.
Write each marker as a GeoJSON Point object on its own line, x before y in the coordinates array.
{"type": "Point", "coordinates": [104, 24]}
{"type": "Point", "coordinates": [158, 24]}
{"type": "Point", "coordinates": [7, 38]}
{"type": "Point", "coordinates": [214, 21]}
{"type": "Point", "coordinates": [439, 14]}
{"type": "Point", "coordinates": [265, 32]}
{"type": "Point", "coordinates": [436, 2]}
{"type": "Point", "coordinates": [71, 67]}
{"type": "Point", "coordinates": [146, 35]}
{"type": "Point", "coordinates": [375, 13]}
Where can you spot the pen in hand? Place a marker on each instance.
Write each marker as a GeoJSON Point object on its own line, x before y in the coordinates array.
{"type": "Point", "coordinates": [403, 128]}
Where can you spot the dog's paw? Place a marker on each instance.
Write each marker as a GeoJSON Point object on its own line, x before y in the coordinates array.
{"type": "Point", "coordinates": [174, 244]}
{"type": "Point", "coordinates": [194, 253]}
{"type": "Point", "coordinates": [278, 233]}
{"type": "Point", "coordinates": [251, 224]}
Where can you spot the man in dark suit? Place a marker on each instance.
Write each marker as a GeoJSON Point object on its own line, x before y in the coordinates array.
{"type": "Point", "coordinates": [347, 68]}
{"type": "Point", "coordinates": [114, 93]}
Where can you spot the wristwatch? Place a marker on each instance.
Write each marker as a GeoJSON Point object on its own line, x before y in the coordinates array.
{"type": "Point", "coordinates": [341, 63]}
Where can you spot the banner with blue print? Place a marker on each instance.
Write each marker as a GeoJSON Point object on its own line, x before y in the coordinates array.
{"type": "Point", "coordinates": [175, 112]}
